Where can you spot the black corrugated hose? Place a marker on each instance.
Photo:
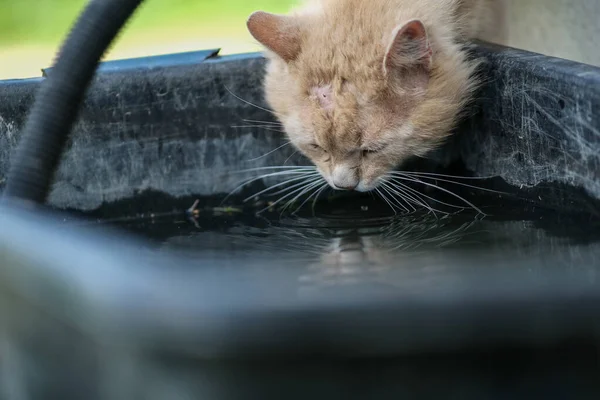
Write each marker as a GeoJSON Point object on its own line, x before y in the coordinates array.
{"type": "Point", "coordinates": [58, 101]}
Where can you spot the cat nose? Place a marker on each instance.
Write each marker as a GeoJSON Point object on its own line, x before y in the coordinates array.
{"type": "Point", "coordinates": [344, 178]}
{"type": "Point", "coordinates": [345, 187]}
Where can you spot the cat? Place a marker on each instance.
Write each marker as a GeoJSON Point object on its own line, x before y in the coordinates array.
{"type": "Point", "coordinates": [362, 85]}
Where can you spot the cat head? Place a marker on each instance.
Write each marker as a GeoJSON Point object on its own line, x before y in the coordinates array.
{"type": "Point", "coordinates": [358, 99]}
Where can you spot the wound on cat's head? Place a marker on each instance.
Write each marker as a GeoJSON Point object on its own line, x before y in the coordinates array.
{"type": "Point", "coordinates": [356, 97]}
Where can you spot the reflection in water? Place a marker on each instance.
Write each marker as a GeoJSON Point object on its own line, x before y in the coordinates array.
{"type": "Point", "coordinates": [411, 252]}
{"type": "Point", "coordinates": [367, 255]}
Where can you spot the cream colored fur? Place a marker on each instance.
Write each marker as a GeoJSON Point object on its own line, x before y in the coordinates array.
{"type": "Point", "coordinates": [327, 83]}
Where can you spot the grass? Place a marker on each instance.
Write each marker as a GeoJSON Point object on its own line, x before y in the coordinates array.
{"type": "Point", "coordinates": [32, 30]}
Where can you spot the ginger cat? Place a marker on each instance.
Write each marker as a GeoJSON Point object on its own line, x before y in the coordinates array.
{"type": "Point", "coordinates": [361, 85]}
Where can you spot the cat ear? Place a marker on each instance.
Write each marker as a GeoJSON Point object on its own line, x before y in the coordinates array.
{"type": "Point", "coordinates": [278, 33]}
{"type": "Point", "coordinates": [409, 48]}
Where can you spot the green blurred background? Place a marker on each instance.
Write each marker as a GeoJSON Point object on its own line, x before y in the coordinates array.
{"type": "Point", "coordinates": [32, 30]}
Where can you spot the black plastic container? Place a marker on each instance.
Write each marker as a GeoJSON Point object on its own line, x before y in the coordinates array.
{"type": "Point", "coordinates": [97, 313]}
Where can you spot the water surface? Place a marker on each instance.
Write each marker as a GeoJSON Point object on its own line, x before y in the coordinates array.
{"type": "Point", "coordinates": [366, 244]}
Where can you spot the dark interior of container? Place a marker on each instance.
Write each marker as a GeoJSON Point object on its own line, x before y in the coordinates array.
{"type": "Point", "coordinates": [154, 272]}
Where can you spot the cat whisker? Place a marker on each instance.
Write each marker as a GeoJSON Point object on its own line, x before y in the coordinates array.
{"type": "Point", "coordinates": [321, 190]}
{"type": "Point", "coordinates": [411, 199]}
{"type": "Point", "coordinates": [423, 195]}
{"type": "Point", "coordinates": [270, 152]}
{"type": "Point", "coordinates": [273, 174]}
{"type": "Point", "coordinates": [267, 128]}
{"type": "Point", "coordinates": [255, 125]}
{"type": "Point", "coordinates": [306, 181]}
{"type": "Point", "coordinates": [403, 195]}
{"type": "Point", "coordinates": [282, 199]}
{"type": "Point", "coordinates": [254, 179]}
{"type": "Point", "coordinates": [287, 182]}
{"type": "Point", "coordinates": [416, 197]}
{"type": "Point", "coordinates": [289, 167]}
{"type": "Point", "coordinates": [316, 192]}
{"type": "Point", "coordinates": [449, 181]}
{"type": "Point", "coordinates": [393, 199]}
{"type": "Point", "coordinates": [417, 180]}
{"type": "Point", "coordinates": [310, 187]}
{"type": "Point", "coordinates": [290, 157]}
{"type": "Point", "coordinates": [250, 103]}
{"type": "Point", "coordinates": [447, 176]}
{"type": "Point", "coordinates": [254, 121]}
{"type": "Point", "coordinates": [287, 189]}
{"type": "Point", "coordinates": [382, 195]}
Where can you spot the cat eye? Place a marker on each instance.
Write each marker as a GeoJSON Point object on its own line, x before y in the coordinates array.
{"type": "Point", "coordinates": [315, 146]}
{"type": "Point", "coordinates": [377, 149]}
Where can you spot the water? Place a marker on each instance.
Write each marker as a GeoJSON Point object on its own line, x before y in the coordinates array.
{"type": "Point", "coordinates": [364, 245]}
